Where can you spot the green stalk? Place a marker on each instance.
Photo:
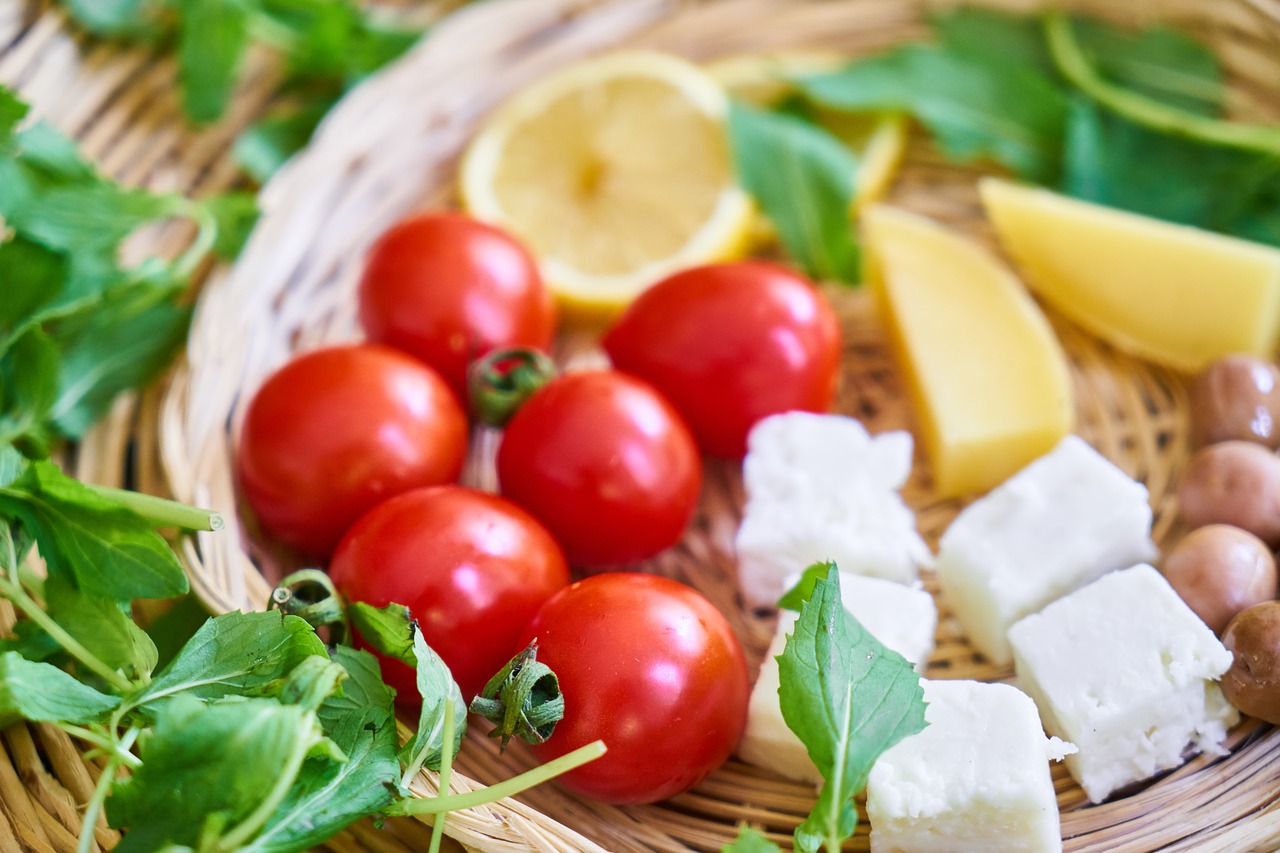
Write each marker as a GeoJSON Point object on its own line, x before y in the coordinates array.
{"type": "Point", "coordinates": [109, 746]}
{"type": "Point", "coordinates": [446, 769]}
{"type": "Point", "coordinates": [1072, 63]}
{"type": "Point", "coordinates": [250, 826]}
{"type": "Point", "coordinates": [161, 512]}
{"type": "Point", "coordinates": [509, 788]}
{"type": "Point", "coordinates": [99, 798]}
{"type": "Point", "coordinates": [185, 264]}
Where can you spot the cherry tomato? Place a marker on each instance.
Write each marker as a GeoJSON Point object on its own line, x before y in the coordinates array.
{"type": "Point", "coordinates": [605, 463]}
{"type": "Point", "coordinates": [650, 667]}
{"type": "Point", "coordinates": [448, 289]}
{"type": "Point", "coordinates": [729, 344]}
{"type": "Point", "coordinates": [472, 568]}
{"type": "Point", "coordinates": [337, 430]}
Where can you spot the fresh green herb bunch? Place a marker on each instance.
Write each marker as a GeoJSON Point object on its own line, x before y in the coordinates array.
{"type": "Point", "coordinates": [1131, 119]}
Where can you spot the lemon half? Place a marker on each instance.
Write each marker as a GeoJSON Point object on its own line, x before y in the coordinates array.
{"type": "Point", "coordinates": [616, 171]}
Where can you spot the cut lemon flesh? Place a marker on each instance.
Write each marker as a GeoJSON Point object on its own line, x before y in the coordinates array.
{"type": "Point", "coordinates": [616, 172]}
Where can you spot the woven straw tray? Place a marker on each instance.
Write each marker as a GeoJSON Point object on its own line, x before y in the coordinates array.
{"type": "Point", "coordinates": [390, 148]}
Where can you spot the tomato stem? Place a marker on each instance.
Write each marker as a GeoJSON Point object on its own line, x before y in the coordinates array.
{"type": "Point", "coordinates": [310, 594]}
{"type": "Point", "coordinates": [501, 381]}
{"type": "Point", "coordinates": [523, 699]}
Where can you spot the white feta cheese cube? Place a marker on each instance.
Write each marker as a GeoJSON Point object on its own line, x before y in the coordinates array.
{"type": "Point", "coordinates": [976, 780]}
{"type": "Point", "coordinates": [1127, 672]}
{"type": "Point", "coordinates": [901, 618]}
{"type": "Point", "coordinates": [1061, 522]}
{"type": "Point", "coordinates": [819, 487]}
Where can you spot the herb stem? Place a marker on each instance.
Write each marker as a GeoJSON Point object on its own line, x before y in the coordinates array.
{"type": "Point", "coordinates": [508, 788]}
{"type": "Point", "coordinates": [236, 838]}
{"type": "Point", "coordinates": [446, 770]}
{"type": "Point", "coordinates": [206, 235]}
{"type": "Point", "coordinates": [100, 790]}
{"type": "Point", "coordinates": [161, 512]}
{"type": "Point", "coordinates": [111, 746]}
{"type": "Point", "coordinates": [1072, 63]}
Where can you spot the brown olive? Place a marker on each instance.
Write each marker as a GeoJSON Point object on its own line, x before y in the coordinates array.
{"type": "Point", "coordinates": [1252, 684]}
{"type": "Point", "coordinates": [1220, 570]}
{"type": "Point", "coordinates": [1236, 483]}
{"type": "Point", "coordinates": [1237, 398]}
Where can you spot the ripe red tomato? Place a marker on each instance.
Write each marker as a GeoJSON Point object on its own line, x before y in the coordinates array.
{"type": "Point", "coordinates": [448, 289]}
{"type": "Point", "coordinates": [472, 568]}
{"type": "Point", "coordinates": [650, 667]}
{"type": "Point", "coordinates": [729, 344]}
{"type": "Point", "coordinates": [605, 463]}
{"type": "Point", "coordinates": [337, 430]}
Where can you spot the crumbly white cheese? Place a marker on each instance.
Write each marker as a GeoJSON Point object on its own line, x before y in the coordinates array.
{"type": "Point", "coordinates": [819, 487]}
{"type": "Point", "coordinates": [1061, 522]}
{"type": "Point", "coordinates": [1127, 672]}
{"type": "Point", "coordinates": [901, 618]}
{"type": "Point", "coordinates": [975, 780]}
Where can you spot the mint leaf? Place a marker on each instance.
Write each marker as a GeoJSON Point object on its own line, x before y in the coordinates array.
{"type": "Point", "coordinates": [12, 111]}
{"type": "Point", "coordinates": [28, 384]}
{"type": "Point", "coordinates": [975, 106]}
{"type": "Point", "coordinates": [328, 796]}
{"type": "Point", "coordinates": [848, 699]}
{"type": "Point", "coordinates": [106, 550]}
{"type": "Point", "coordinates": [103, 626]}
{"type": "Point", "coordinates": [207, 769]}
{"type": "Point", "coordinates": [437, 688]}
{"type": "Point", "coordinates": [387, 629]}
{"type": "Point", "coordinates": [118, 18]}
{"type": "Point", "coordinates": [750, 841]}
{"type": "Point", "coordinates": [312, 682]}
{"type": "Point", "coordinates": [236, 213]}
{"type": "Point", "coordinates": [32, 279]}
{"type": "Point", "coordinates": [213, 40]}
{"type": "Point", "coordinates": [235, 654]}
{"type": "Point", "coordinates": [42, 692]}
{"type": "Point", "coordinates": [802, 177]}
{"type": "Point", "coordinates": [266, 145]}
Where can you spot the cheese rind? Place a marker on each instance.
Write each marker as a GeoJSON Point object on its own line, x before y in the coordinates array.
{"type": "Point", "coordinates": [819, 487]}
{"type": "Point", "coordinates": [902, 618]}
{"type": "Point", "coordinates": [1127, 672]}
{"type": "Point", "coordinates": [988, 377]}
{"type": "Point", "coordinates": [976, 780]}
{"type": "Point", "coordinates": [1174, 294]}
{"type": "Point", "coordinates": [1063, 521]}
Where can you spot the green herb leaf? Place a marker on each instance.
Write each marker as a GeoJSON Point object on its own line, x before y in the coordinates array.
{"type": "Point", "coordinates": [174, 628]}
{"type": "Point", "coordinates": [387, 629]}
{"type": "Point", "coordinates": [28, 384]}
{"type": "Point", "coordinates": [975, 105]}
{"type": "Point", "coordinates": [42, 692]}
{"type": "Point", "coordinates": [750, 841]}
{"type": "Point", "coordinates": [236, 213]}
{"type": "Point", "coordinates": [267, 144]}
{"type": "Point", "coordinates": [213, 40]}
{"type": "Point", "coordinates": [118, 18]}
{"type": "Point", "coordinates": [312, 682]}
{"type": "Point", "coordinates": [103, 627]}
{"type": "Point", "coordinates": [794, 598]}
{"type": "Point", "coordinates": [849, 699]}
{"type": "Point", "coordinates": [329, 796]}
{"type": "Point", "coordinates": [437, 689]}
{"type": "Point", "coordinates": [208, 769]}
{"type": "Point", "coordinates": [32, 279]}
{"type": "Point", "coordinates": [802, 177]}
{"type": "Point", "coordinates": [104, 549]}
{"type": "Point", "coordinates": [12, 111]}
{"type": "Point", "coordinates": [235, 654]}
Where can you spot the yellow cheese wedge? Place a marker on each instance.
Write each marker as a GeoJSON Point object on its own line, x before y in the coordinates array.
{"type": "Point", "coordinates": [989, 379]}
{"type": "Point", "coordinates": [1170, 293]}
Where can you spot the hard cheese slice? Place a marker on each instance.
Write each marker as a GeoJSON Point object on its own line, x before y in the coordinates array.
{"type": "Point", "coordinates": [1170, 293]}
{"type": "Point", "coordinates": [989, 379]}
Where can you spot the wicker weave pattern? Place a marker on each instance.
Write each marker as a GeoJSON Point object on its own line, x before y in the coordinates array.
{"type": "Point", "coordinates": [390, 148]}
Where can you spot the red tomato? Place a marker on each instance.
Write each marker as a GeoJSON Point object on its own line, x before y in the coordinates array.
{"type": "Point", "coordinates": [729, 344]}
{"type": "Point", "coordinates": [448, 289]}
{"type": "Point", "coordinates": [336, 431]}
{"type": "Point", "coordinates": [650, 667]}
{"type": "Point", "coordinates": [605, 463]}
{"type": "Point", "coordinates": [471, 567]}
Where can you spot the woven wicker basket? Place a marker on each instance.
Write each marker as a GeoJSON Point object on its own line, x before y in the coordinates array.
{"type": "Point", "coordinates": [391, 148]}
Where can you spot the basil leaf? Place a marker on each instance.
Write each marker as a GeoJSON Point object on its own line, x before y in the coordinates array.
{"type": "Point", "coordinates": [750, 841]}
{"type": "Point", "coordinates": [103, 627]}
{"type": "Point", "coordinates": [12, 111]}
{"type": "Point", "coordinates": [848, 699]}
{"type": "Point", "coordinates": [329, 796]}
{"type": "Point", "coordinates": [437, 688]}
{"type": "Point", "coordinates": [266, 145]}
{"type": "Point", "coordinates": [802, 178]}
{"type": "Point", "coordinates": [235, 653]}
{"type": "Point", "coordinates": [104, 549]}
{"type": "Point", "coordinates": [312, 682]}
{"type": "Point", "coordinates": [387, 629]}
{"type": "Point", "coordinates": [28, 384]}
{"type": "Point", "coordinates": [975, 106]}
{"type": "Point", "coordinates": [32, 279]}
{"type": "Point", "coordinates": [212, 42]}
{"type": "Point", "coordinates": [236, 213]}
{"type": "Point", "coordinates": [42, 692]}
{"type": "Point", "coordinates": [119, 18]}
{"type": "Point", "coordinates": [795, 597]}
{"type": "Point", "coordinates": [206, 768]}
